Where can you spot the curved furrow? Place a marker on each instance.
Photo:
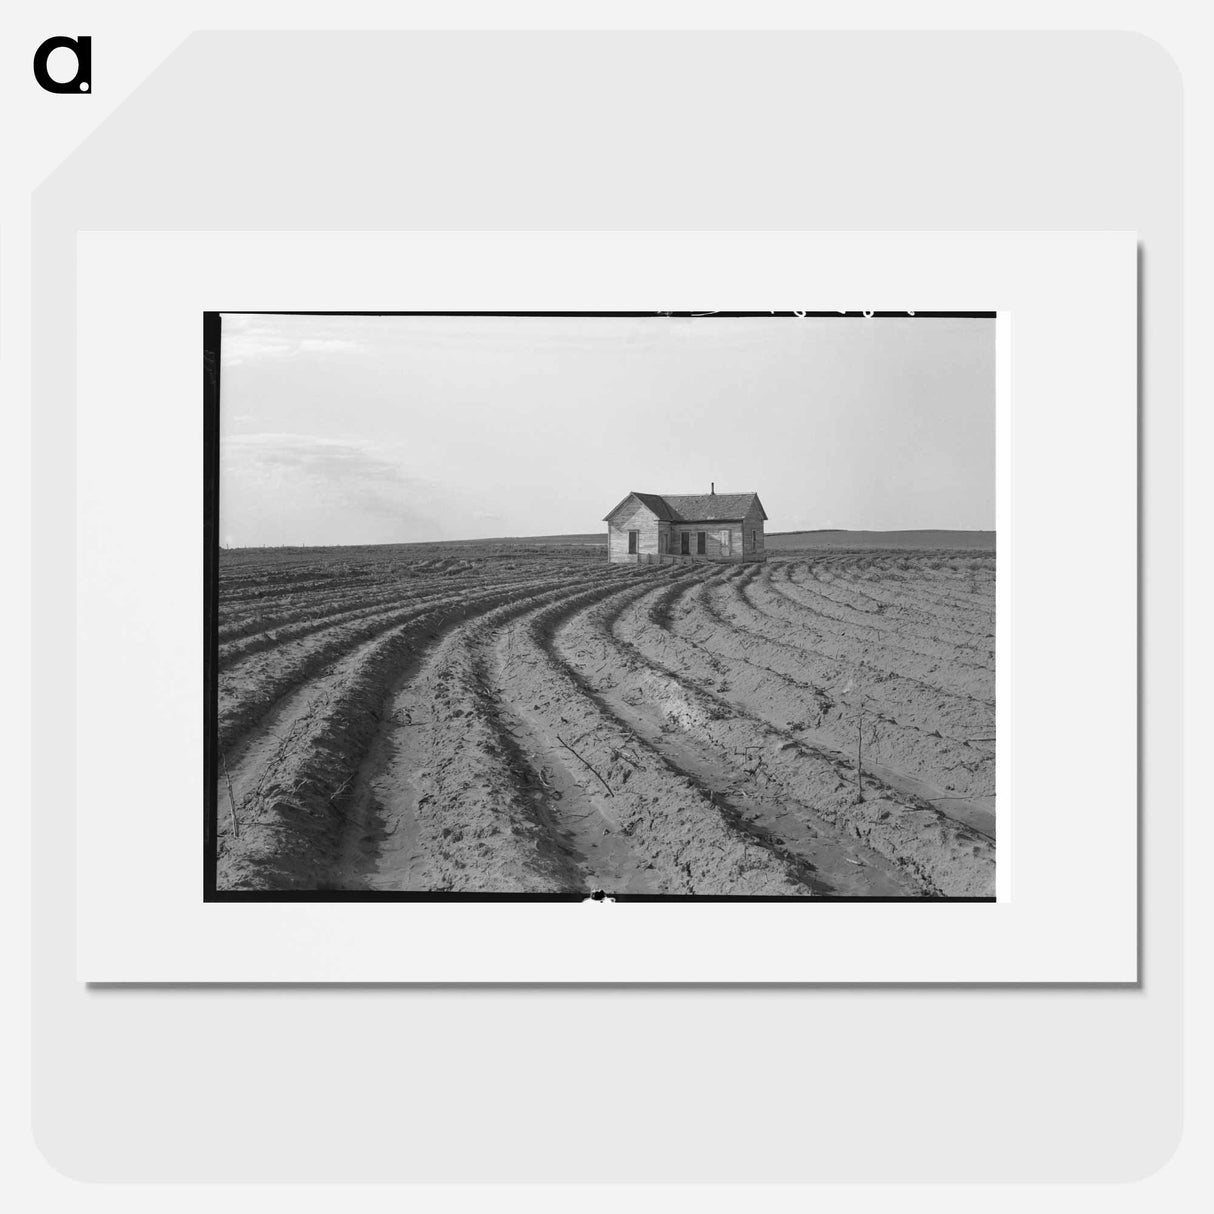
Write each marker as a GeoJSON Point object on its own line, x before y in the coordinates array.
{"type": "Point", "coordinates": [904, 732]}
{"type": "Point", "coordinates": [536, 753]}
{"type": "Point", "coordinates": [969, 609]}
{"type": "Point", "coordinates": [250, 591]}
{"type": "Point", "coordinates": [287, 826]}
{"type": "Point", "coordinates": [534, 722]}
{"type": "Point", "coordinates": [683, 837]}
{"type": "Point", "coordinates": [940, 855]}
{"type": "Point", "coordinates": [249, 689]}
{"type": "Point", "coordinates": [235, 651]}
{"type": "Point", "coordinates": [869, 629]}
{"type": "Point", "coordinates": [865, 664]}
{"type": "Point", "coordinates": [444, 799]}
{"type": "Point", "coordinates": [725, 762]}
{"type": "Point", "coordinates": [272, 636]}
{"type": "Point", "coordinates": [820, 661]}
{"type": "Point", "coordinates": [974, 628]}
{"type": "Point", "coordinates": [280, 612]}
{"type": "Point", "coordinates": [934, 671]}
{"type": "Point", "coordinates": [854, 579]}
{"type": "Point", "coordinates": [234, 593]}
{"type": "Point", "coordinates": [930, 588]}
{"type": "Point", "coordinates": [909, 618]}
{"type": "Point", "coordinates": [782, 647]}
{"type": "Point", "coordinates": [285, 612]}
{"type": "Point", "coordinates": [762, 679]}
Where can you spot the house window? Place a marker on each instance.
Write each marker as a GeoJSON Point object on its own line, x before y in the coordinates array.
{"type": "Point", "coordinates": [700, 548]}
{"type": "Point", "coordinates": [685, 543]}
{"type": "Point", "coordinates": [754, 542]}
{"type": "Point", "coordinates": [633, 537]}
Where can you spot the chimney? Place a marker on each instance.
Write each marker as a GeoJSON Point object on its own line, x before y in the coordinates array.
{"type": "Point", "coordinates": [713, 490]}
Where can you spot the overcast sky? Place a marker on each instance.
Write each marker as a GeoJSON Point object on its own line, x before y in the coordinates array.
{"type": "Point", "coordinates": [356, 430]}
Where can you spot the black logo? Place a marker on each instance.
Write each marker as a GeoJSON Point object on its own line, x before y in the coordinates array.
{"type": "Point", "coordinates": [82, 48]}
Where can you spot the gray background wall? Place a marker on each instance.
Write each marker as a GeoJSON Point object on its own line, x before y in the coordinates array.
{"type": "Point", "coordinates": [706, 131]}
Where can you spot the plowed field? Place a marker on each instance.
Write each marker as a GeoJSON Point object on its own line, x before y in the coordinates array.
{"type": "Point", "coordinates": [526, 719]}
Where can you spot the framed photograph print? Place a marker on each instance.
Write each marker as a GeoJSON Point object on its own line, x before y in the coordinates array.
{"type": "Point", "coordinates": [576, 642]}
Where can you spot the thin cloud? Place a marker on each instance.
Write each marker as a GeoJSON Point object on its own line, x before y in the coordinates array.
{"type": "Point", "coordinates": [339, 459]}
{"type": "Point", "coordinates": [311, 474]}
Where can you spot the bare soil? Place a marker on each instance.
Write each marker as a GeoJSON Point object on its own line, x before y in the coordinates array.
{"type": "Point", "coordinates": [522, 717]}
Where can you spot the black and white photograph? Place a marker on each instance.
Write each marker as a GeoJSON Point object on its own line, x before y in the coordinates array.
{"type": "Point", "coordinates": [514, 744]}
{"type": "Point", "coordinates": [614, 606]}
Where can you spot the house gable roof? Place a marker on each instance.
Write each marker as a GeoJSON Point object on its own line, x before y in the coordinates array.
{"type": "Point", "coordinates": [695, 507]}
{"type": "Point", "coordinates": [650, 501]}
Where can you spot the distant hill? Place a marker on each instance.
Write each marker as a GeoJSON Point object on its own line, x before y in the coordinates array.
{"type": "Point", "coordinates": [778, 541]}
{"type": "Point", "coordinates": [781, 541]}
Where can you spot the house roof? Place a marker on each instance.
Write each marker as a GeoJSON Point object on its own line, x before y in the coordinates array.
{"type": "Point", "coordinates": [696, 507]}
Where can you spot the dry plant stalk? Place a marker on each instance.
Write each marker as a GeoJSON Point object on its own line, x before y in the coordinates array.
{"type": "Point", "coordinates": [860, 756]}
{"type": "Point", "coordinates": [595, 773]}
{"type": "Point", "coordinates": [231, 799]}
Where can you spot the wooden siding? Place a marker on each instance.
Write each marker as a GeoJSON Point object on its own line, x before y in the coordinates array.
{"type": "Point", "coordinates": [723, 540]}
{"type": "Point", "coordinates": [632, 516]}
{"type": "Point", "coordinates": [752, 525]}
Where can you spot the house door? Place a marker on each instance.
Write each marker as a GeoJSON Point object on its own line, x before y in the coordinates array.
{"type": "Point", "coordinates": [725, 537]}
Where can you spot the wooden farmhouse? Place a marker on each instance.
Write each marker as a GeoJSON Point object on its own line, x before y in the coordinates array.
{"type": "Point", "coordinates": [663, 528]}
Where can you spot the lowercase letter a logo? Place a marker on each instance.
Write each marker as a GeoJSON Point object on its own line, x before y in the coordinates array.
{"type": "Point", "coordinates": [82, 81]}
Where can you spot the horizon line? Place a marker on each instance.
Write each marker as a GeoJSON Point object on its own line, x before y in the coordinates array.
{"type": "Point", "coordinates": [599, 533]}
